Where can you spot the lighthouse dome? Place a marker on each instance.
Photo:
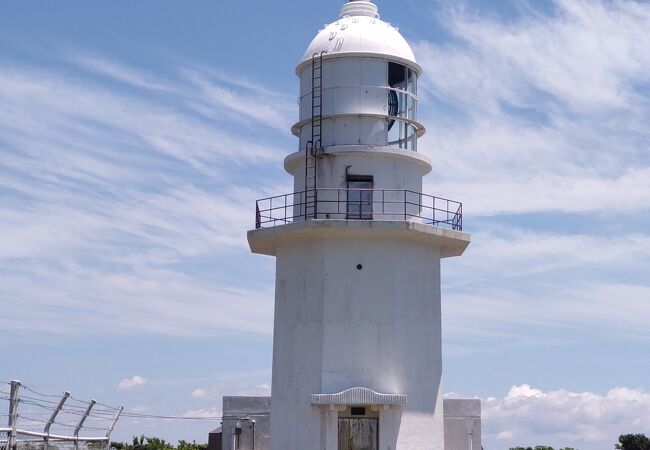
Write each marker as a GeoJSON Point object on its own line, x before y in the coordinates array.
{"type": "Point", "coordinates": [359, 31]}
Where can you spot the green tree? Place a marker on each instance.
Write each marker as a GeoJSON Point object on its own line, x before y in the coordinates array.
{"type": "Point", "coordinates": [183, 445]}
{"type": "Point", "coordinates": [539, 447]}
{"type": "Point", "coordinates": [633, 442]}
{"type": "Point", "coordinates": [153, 443]}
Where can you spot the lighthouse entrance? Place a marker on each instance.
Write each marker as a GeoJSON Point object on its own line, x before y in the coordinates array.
{"type": "Point", "coordinates": [358, 433]}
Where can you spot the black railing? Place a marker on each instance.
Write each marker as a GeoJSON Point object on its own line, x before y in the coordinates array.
{"type": "Point", "coordinates": [359, 204]}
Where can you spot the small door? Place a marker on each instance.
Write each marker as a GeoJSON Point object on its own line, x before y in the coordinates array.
{"type": "Point", "coordinates": [358, 434]}
{"type": "Point", "coordinates": [359, 199]}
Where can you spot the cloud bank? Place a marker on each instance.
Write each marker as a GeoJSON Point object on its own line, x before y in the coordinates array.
{"type": "Point", "coordinates": [529, 416]}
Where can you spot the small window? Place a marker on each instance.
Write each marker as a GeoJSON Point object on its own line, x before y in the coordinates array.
{"type": "Point", "coordinates": [359, 201]}
{"type": "Point", "coordinates": [397, 74]}
{"type": "Point", "coordinates": [357, 411]}
{"type": "Point", "coordinates": [401, 104]}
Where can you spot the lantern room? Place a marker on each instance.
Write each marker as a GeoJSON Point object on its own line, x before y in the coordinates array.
{"type": "Point", "coordinates": [358, 81]}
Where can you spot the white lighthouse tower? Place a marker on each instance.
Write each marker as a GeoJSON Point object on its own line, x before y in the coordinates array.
{"type": "Point", "coordinates": [357, 337]}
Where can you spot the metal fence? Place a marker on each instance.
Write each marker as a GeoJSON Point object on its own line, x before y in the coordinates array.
{"type": "Point", "coordinates": [359, 204]}
{"type": "Point", "coordinates": [38, 421]}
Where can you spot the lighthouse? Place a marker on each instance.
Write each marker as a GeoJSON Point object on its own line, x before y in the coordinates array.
{"type": "Point", "coordinates": [357, 358]}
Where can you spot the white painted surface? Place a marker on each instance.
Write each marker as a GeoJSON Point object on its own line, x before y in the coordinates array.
{"type": "Point", "coordinates": [356, 49]}
{"type": "Point", "coordinates": [268, 241]}
{"type": "Point", "coordinates": [360, 35]}
{"type": "Point", "coordinates": [337, 327]}
{"type": "Point", "coordinates": [354, 102]}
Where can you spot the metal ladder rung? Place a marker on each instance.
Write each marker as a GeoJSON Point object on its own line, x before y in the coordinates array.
{"type": "Point", "coordinates": [313, 150]}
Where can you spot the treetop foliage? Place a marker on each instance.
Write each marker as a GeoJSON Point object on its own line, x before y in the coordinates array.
{"type": "Point", "coordinates": [633, 442]}
{"type": "Point", "coordinates": [540, 447]}
{"type": "Point", "coordinates": [154, 443]}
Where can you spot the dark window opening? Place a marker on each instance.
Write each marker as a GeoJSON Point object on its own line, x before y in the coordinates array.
{"type": "Point", "coordinates": [393, 107]}
{"type": "Point", "coordinates": [359, 201]}
{"type": "Point", "coordinates": [396, 75]}
{"type": "Point", "coordinates": [402, 104]}
{"type": "Point", "coordinates": [357, 411]}
{"type": "Point", "coordinates": [396, 79]}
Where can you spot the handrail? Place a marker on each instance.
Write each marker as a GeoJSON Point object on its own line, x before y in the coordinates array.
{"type": "Point", "coordinates": [360, 204]}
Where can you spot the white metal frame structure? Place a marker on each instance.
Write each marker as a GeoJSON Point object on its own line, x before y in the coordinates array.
{"type": "Point", "coordinates": [18, 437]}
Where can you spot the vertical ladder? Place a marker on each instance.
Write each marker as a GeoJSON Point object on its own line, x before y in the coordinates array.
{"type": "Point", "coordinates": [314, 148]}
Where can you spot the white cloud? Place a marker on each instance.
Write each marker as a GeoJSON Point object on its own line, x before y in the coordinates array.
{"type": "Point", "coordinates": [112, 197]}
{"type": "Point", "coordinates": [258, 106]}
{"type": "Point", "coordinates": [203, 413]}
{"type": "Point", "coordinates": [117, 71]}
{"type": "Point", "coordinates": [541, 113]}
{"type": "Point", "coordinates": [505, 435]}
{"type": "Point", "coordinates": [199, 393]}
{"type": "Point", "coordinates": [217, 391]}
{"type": "Point", "coordinates": [529, 416]}
{"type": "Point", "coordinates": [519, 290]}
{"type": "Point", "coordinates": [134, 383]}
{"type": "Point", "coordinates": [505, 253]}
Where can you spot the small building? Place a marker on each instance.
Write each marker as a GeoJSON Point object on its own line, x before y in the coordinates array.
{"type": "Point", "coordinates": [462, 424]}
{"type": "Point", "coordinates": [214, 439]}
{"type": "Point", "coordinates": [246, 423]}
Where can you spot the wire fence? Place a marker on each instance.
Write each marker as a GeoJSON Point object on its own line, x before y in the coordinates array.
{"type": "Point", "coordinates": [38, 421]}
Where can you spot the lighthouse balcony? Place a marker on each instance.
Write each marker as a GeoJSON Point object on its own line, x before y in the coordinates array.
{"type": "Point", "coordinates": [359, 204]}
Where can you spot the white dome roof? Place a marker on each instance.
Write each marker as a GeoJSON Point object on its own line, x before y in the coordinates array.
{"type": "Point", "coordinates": [360, 31]}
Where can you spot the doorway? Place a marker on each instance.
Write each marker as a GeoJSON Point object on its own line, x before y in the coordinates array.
{"type": "Point", "coordinates": [358, 433]}
{"type": "Point", "coordinates": [359, 201]}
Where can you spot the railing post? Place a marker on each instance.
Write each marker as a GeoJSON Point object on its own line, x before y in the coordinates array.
{"type": "Point", "coordinates": [13, 414]}
{"type": "Point", "coordinates": [404, 204]}
{"type": "Point", "coordinates": [286, 200]}
{"type": "Point", "coordinates": [49, 423]}
{"type": "Point", "coordinates": [258, 219]}
{"type": "Point", "coordinates": [433, 212]}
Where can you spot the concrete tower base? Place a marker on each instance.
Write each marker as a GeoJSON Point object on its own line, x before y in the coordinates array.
{"type": "Point", "coordinates": [357, 324]}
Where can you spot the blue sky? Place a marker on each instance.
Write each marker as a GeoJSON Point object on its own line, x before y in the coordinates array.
{"type": "Point", "coordinates": [136, 136]}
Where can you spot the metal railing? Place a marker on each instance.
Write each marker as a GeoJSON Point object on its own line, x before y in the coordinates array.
{"type": "Point", "coordinates": [360, 204]}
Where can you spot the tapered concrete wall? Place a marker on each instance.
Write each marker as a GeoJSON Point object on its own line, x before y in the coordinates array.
{"type": "Point", "coordinates": [337, 327]}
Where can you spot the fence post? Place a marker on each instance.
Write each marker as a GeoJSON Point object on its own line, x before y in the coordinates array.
{"type": "Point", "coordinates": [46, 430]}
{"type": "Point", "coordinates": [13, 414]}
{"type": "Point", "coordinates": [110, 429]}
{"type": "Point", "coordinates": [81, 423]}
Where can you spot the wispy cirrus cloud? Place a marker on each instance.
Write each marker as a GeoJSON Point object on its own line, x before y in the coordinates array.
{"type": "Point", "coordinates": [119, 72]}
{"type": "Point", "coordinates": [110, 194]}
{"type": "Point", "coordinates": [522, 288]}
{"type": "Point", "coordinates": [541, 113]}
